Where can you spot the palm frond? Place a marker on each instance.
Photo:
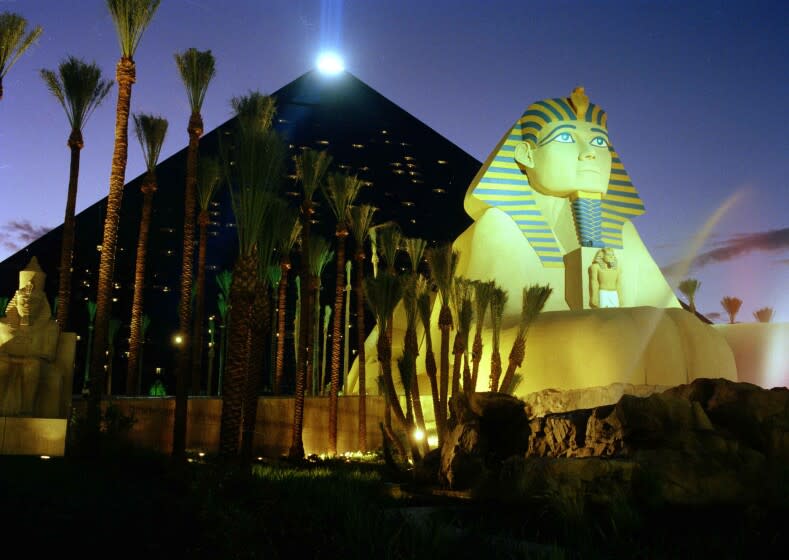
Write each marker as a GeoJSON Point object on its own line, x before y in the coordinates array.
{"type": "Point", "coordinates": [443, 263]}
{"type": "Point", "coordinates": [311, 167]}
{"type": "Point", "coordinates": [254, 111]}
{"type": "Point", "coordinates": [197, 69]}
{"type": "Point", "coordinates": [273, 275]}
{"type": "Point", "coordinates": [389, 237]}
{"type": "Point", "coordinates": [462, 296]}
{"type": "Point", "coordinates": [79, 88]}
{"type": "Point", "coordinates": [15, 39]}
{"type": "Point", "coordinates": [423, 301]}
{"type": "Point", "coordinates": [534, 298]}
{"type": "Point", "coordinates": [320, 254]}
{"type": "Point", "coordinates": [341, 191]}
{"type": "Point", "coordinates": [498, 300]}
{"type": "Point", "coordinates": [410, 293]}
{"type": "Point", "coordinates": [383, 294]}
{"type": "Point", "coordinates": [361, 222]}
{"type": "Point", "coordinates": [483, 291]}
{"type": "Point", "coordinates": [209, 176]}
{"type": "Point", "coordinates": [732, 306]}
{"type": "Point", "coordinates": [150, 131]}
{"type": "Point", "coordinates": [131, 18]}
{"type": "Point", "coordinates": [763, 315]}
{"type": "Point", "coordinates": [415, 248]}
{"type": "Point", "coordinates": [275, 207]}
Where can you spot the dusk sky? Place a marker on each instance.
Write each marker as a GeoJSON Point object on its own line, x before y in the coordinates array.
{"type": "Point", "coordinates": [697, 96]}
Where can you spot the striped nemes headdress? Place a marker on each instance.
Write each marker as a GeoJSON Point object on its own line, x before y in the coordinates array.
{"type": "Point", "coordinates": [500, 182]}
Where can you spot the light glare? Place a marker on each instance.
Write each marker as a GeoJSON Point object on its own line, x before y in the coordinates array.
{"type": "Point", "coordinates": [330, 63]}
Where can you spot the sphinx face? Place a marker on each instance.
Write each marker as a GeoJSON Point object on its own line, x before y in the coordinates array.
{"type": "Point", "coordinates": [570, 156]}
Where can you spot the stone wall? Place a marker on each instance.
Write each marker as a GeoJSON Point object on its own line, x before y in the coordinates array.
{"type": "Point", "coordinates": [153, 428]}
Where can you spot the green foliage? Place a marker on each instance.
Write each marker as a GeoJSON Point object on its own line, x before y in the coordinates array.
{"type": "Point", "coordinates": [3, 305]}
{"type": "Point", "coordinates": [209, 176]}
{"type": "Point", "coordinates": [361, 222]}
{"type": "Point", "coordinates": [311, 167]}
{"type": "Point", "coordinates": [383, 294]}
{"type": "Point", "coordinates": [340, 192]}
{"type": "Point", "coordinates": [389, 238]}
{"type": "Point", "coordinates": [15, 39]}
{"type": "Point", "coordinates": [78, 87]}
{"type": "Point", "coordinates": [197, 69]}
{"type": "Point", "coordinates": [131, 18]}
{"type": "Point", "coordinates": [157, 389]}
{"type": "Point", "coordinates": [150, 131]}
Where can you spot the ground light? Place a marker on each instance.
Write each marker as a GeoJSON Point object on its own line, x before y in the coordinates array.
{"type": "Point", "coordinates": [330, 63]}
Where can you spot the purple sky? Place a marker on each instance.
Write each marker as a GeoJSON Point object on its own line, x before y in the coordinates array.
{"type": "Point", "coordinates": [697, 95]}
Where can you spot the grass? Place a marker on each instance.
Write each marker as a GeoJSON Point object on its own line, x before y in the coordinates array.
{"type": "Point", "coordinates": [137, 505]}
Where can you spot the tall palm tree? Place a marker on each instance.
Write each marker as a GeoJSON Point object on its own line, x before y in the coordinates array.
{"type": "Point", "coordinates": [534, 298]}
{"type": "Point", "coordinates": [320, 256]}
{"type": "Point", "coordinates": [258, 158]}
{"type": "Point", "coordinates": [383, 295]}
{"type": "Point", "coordinates": [763, 315]}
{"type": "Point", "coordinates": [498, 299]}
{"type": "Point", "coordinates": [415, 249]}
{"type": "Point", "coordinates": [462, 294]}
{"type": "Point", "coordinates": [150, 131]}
{"type": "Point", "coordinates": [288, 229]}
{"type": "Point", "coordinates": [732, 306]}
{"type": "Point", "coordinates": [131, 18]}
{"type": "Point", "coordinates": [223, 281]}
{"type": "Point", "coordinates": [311, 167]}
{"type": "Point", "coordinates": [361, 223]}
{"type": "Point", "coordinates": [340, 192]}
{"type": "Point", "coordinates": [482, 294]}
{"type": "Point", "coordinates": [443, 263]}
{"type": "Point", "coordinates": [79, 88]}
{"type": "Point", "coordinates": [196, 69]}
{"type": "Point", "coordinates": [15, 39]}
{"type": "Point", "coordinates": [424, 306]}
{"type": "Point", "coordinates": [689, 287]}
{"type": "Point", "coordinates": [209, 177]}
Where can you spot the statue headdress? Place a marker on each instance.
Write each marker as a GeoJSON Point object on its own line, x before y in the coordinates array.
{"type": "Point", "coordinates": [500, 183]}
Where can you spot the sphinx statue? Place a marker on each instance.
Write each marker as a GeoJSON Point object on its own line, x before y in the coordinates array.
{"type": "Point", "coordinates": [36, 359]}
{"type": "Point", "coordinates": [553, 205]}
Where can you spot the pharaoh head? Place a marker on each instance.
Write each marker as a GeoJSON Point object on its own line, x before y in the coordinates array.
{"type": "Point", "coordinates": [605, 257]}
{"type": "Point", "coordinates": [559, 147]}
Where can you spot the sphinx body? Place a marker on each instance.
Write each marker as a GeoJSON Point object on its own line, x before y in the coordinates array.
{"type": "Point", "coordinates": [36, 359]}
{"type": "Point", "coordinates": [550, 196]}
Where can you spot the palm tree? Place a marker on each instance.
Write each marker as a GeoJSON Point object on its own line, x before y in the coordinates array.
{"type": "Point", "coordinates": [150, 131]}
{"type": "Point", "coordinates": [196, 69]}
{"type": "Point", "coordinates": [258, 160]}
{"type": "Point", "coordinates": [15, 39]}
{"type": "Point", "coordinates": [415, 249]}
{"type": "Point", "coordinates": [361, 223]}
{"type": "Point", "coordinates": [383, 295]}
{"type": "Point", "coordinates": [288, 229]}
{"type": "Point", "coordinates": [131, 18]}
{"type": "Point", "coordinates": [534, 298]}
{"type": "Point", "coordinates": [340, 192]}
{"type": "Point", "coordinates": [424, 307]}
{"type": "Point", "coordinates": [320, 255]}
{"type": "Point", "coordinates": [223, 280]}
{"type": "Point", "coordinates": [464, 311]}
{"type": "Point", "coordinates": [443, 262]}
{"type": "Point", "coordinates": [689, 287]}
{"type": "Point", "coordinates": [498, 299]}
{"type": "Point", "coordinates": [79, 89]}
{"type": "Point", "coordinates": [482, 294]}
{"type": "Point", "coordinates": [763, 315]}
{"type": "Point", "coordinates": [732, 306]}
{"type": "Point", "coordinates": [91, 308]}
{"type": "Point", "coordinates": [389, 237]}
{"type": "Point", "coordinates": [209, 177]}
{"type": "Point", "coordinates": [311, 168]}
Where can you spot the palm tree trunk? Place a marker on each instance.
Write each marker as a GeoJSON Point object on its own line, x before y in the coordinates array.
{"type": "Point", "coordinates": [516, 359]}
{"type": "Point", "coordinates": [457, 353]}
{"type": "Point", "coordinates": [124, 76]}
{"type": "Point", "coordinates": [476, 358]}
{"type": "Point", "coordinates": [195, 130]}
{"type": "Point", "coordinates": [360, 354]}
{"type": "Point", "coordinates": [197, 331]}
{"type": "Point", "coordinates": [339, 292]}
{"type": "Point", "coordinates": [431, 369]}
{"type": "Point", "coordinates": [385, 357]}
{"type": "Point", "coordinates": [257, 355]}
{"type": "Point", "coordinates": [281, 303]}
{"type": "Point", "coordinates": [135, 337]}
{"type": "Point", "coordinates": [303, 360]}
{"type": "Point", "coordinates": [233, 383]}
{"type": "Point", "coordinates": [412, 349]}
{"type": "Point", "coordinates": [69, 225]}
{"type": "Point", "coordinates": [444, 324]}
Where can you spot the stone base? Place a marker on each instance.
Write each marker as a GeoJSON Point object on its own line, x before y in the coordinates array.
{"type": "Point", "coordinates": [33, 436]}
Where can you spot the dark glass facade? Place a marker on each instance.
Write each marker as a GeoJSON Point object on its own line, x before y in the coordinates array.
{"type": "Point", "coordinates": [413, 175]}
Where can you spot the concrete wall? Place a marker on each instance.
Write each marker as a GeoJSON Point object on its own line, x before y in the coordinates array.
{"type": "Point", "coordinates": [153, 428]}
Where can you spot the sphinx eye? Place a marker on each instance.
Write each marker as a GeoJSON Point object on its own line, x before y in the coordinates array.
{"type": "Point", "coordinates": [599, 142]}
{"type": "Point", "coordinates": [564, 138]}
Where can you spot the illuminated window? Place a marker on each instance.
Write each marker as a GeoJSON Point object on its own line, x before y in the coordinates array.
{"type": "Point", "coordinates": [442, 162]}
{"type": "Point", "coordinates": [439, 190]}
{"type": "Point", "coordinates": [358, 146]}
{"type": "Point", "coordinates": [322, 142]}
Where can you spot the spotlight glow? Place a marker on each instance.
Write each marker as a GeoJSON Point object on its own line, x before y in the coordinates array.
{"type": "Point", "coordinates": [330, 63]}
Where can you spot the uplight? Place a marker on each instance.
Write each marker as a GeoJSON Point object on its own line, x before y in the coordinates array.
{"type": "Point", "coordinates": [330, 63]}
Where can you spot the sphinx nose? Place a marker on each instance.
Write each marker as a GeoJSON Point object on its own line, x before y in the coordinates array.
{"type": "Point", "coordinates": [586, 153]}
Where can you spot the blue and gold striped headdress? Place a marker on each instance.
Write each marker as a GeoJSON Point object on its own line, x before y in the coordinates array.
{"type": "Point", "coordinates": [500, 182]}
